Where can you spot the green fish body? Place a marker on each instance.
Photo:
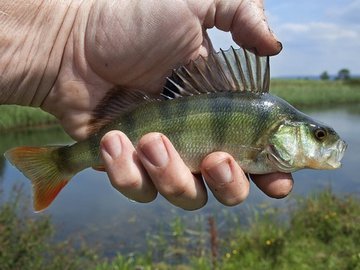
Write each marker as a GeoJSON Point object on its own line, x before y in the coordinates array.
{"type": "Point", "coordinates": [216, 104]}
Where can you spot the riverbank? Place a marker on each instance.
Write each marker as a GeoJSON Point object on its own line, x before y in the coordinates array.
{"type": "Point", "coordinates": [317, 93]}
{"type": "Point", "coordinates": [321, 230]}
{"type": "Point", "coordinates": [15, 118]}
{"type": "Point", "coordinates": [300, 93]}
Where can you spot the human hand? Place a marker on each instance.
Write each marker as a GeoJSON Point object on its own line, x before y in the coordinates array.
{"type": "Point", "coordinates": [135, 44]}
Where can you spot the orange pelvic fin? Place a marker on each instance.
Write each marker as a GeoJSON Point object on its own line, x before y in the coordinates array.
{"type": "Point", "coordinates": [39, 164]}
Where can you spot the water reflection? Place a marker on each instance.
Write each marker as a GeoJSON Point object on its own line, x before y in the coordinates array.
{"type": "Point", "coordinates": [90, 208]}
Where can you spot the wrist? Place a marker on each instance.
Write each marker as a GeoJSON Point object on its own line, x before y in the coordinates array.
{"type": "Point", "coordinates": [33, 37]}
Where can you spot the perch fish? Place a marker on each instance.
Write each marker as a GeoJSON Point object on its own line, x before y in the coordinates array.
{"type": "Point", "coordinates": [217, 103]}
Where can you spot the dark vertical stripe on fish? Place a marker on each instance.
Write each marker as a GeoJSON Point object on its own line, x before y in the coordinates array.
{"type": "Point", "coordinates": [182, 109]}
{"type": "Point", "coordinates": [219, 120]}
{"type": "Point", "coordinates": [127, 124]}
{"type": "Point", "coordinates": [261, 119]}
{"type": "Point", "coordinates": [64, 156]}
{"type": "Point", "coordinates": [94, 148]}
{"type": "Point", "coordinates": [164, 111]}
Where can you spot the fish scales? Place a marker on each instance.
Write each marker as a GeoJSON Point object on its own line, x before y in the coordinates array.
{"type": "Point", "coordinates": [205, 124]}
{"type": "Point", "coordinates": [198, 125]}
{"type": "Point", "coordinates": [226, 107]}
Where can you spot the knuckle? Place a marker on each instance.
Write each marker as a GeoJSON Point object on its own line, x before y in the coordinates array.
{"type": "Point", "coordinates": [173, 190]}
{"type": "Point", "coordinates": [130, 181]}
{"type": "Point", "coordinates": [179, 191]}
{"type": "Point", "coordinates": [172, 183]}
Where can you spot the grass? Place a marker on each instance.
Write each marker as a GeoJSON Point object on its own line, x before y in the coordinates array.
{"type": "Point", "coordinates": [322, 232]}
{"type": "Point", "coordinates": [14, 117]}
{"type": "Point", "coordinates": [25, 240]}
{"type": "Point", "coordinates": [315, 94]}
{"type": "Point", "coordinates": [300, 93]}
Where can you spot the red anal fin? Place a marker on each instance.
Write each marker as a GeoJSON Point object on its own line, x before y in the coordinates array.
{"type": "Point", "coordinates": [44, 195]}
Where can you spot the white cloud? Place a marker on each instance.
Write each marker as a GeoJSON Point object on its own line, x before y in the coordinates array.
{"type": "Point", "coordinates": [347, 13]}
{"type": "Point", "coordinates": [317, 31]}
{"type": "Point", "coordinates": [316, 36]}
{"type": "Point", "coordinates": [293, 27]}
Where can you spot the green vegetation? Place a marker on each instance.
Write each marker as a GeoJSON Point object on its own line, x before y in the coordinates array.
{"type": "Point", "coordinates": [324, 76]}
{"type": "Point", "coordinates": [17, 117]}
{"type": "Point", "coordinates": [52, 135]}
{"type": "Point", "coordinates": [25, 240]}
{"type": "Point", "coordinates": [321, 231]}
{"type": "Point", "coordinates": [315, 94]}
{"type": "Point", "coordinates": [343, 74]}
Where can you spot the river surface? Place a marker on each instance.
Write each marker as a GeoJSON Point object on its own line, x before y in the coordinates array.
{"type": "Point", "coordinates": [89, 208]}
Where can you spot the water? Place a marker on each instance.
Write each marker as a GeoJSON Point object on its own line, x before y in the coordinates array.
{"type": "Point", "coordinates": [89, 208]}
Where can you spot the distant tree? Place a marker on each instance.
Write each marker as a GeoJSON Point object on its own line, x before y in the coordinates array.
{"type": "Point", "coordinates": [324, 76]}
{"type": "Point", "coordinates": [343, 74]}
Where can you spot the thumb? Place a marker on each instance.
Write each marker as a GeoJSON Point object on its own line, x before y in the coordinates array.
{"type": "Point", "coordinates": [246, 21]}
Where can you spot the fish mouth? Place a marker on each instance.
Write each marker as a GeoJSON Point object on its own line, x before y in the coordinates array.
{"type": "Point", "coordinates": [335, 154]}
{"type": "Point", "coordinates": [328, 158]}
{"type": "Point", "coordinates": [281, 164]}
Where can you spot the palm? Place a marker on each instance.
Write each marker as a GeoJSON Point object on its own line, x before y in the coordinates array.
{"type": "Point", "coordinates": [136, 56]}
{"type": "Point", "coordinates": [140, 53]}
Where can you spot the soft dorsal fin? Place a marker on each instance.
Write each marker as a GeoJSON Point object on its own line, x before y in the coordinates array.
{"type": "Point", "coordinates": [115, 103]}
{"type": "Point", "coordinates": [231, 70]}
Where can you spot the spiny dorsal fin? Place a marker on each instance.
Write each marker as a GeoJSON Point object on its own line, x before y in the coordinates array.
{"type": "Point", "coordinates": [115, 103]}
{"type": "Point", "coordinates": [231, 70]}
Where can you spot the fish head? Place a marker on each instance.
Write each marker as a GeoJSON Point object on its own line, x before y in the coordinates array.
{"type": "Point", "coordinates": [305, 144]}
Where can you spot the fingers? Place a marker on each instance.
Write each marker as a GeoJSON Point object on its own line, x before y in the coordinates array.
{"type": "Point", "coordinates": [225, 178]}
{"type": "Point", "coordinates": [157, 167]}
{"type": "Point", "coordinates": [171, 177]}
{"type": "Point", "coordinates": [230, 186]}
{"type": "Point", "coordinates": [124, 169]}
{"type": "Point", "coordinates": [246, 21]}
{"type": "Point", "coordinates": [276, 185]}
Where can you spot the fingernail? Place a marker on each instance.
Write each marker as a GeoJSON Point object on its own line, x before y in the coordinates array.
{"type": "Point", "coordinates": [112, 146]}
{"type": "Point", "coordinates": [155, 152]}
{"type": "Point", "coordinates": [221, 172]}
{"type": "Point", "coordinates": [280, 46]}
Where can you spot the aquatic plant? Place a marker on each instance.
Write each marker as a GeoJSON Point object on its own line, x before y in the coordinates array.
{"type": "Point", "coordinates": [321, 230]}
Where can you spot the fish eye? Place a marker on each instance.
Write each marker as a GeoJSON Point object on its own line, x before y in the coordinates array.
{"type": "Point", "coordinates": [320, 134]}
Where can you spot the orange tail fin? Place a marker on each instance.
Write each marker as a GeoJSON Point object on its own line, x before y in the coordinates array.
{"type": "Point", "coordinates": [39, 164]}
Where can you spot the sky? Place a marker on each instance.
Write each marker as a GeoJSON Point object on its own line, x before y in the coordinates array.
{"type": "Point", "coordinates": [317, 36]}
